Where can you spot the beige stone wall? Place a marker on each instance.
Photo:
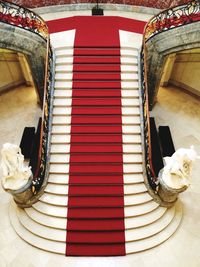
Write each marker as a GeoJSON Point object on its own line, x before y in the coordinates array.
{"type": "Point", "coordinates": [14, 70]}
{"type": "Point", "coordinates": [186, 71]}
{"type": "Point", "coordinates": [11, 74]}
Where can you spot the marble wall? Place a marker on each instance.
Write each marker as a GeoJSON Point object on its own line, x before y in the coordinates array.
{"type": "Point", "coordinates": [164, 44]}
{"type": "Point", "coordinates": [160, 4]}
{"type": "Point", "coordinates": [20, 40]}
{"type": "Point", "coordinates": [15, 70]}
{"type": "Point", "coordinates": [186, 69]}
{"type": "Point", "coordinates": [11, 74]}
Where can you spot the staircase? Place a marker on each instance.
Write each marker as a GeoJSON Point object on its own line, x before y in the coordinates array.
{"type": "Point", "coordinates": [96, 203]}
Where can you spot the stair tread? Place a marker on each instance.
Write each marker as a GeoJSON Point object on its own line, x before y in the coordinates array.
{"type": "Point", "coordinates": [97, 51]}
{"type": "Point", "coordinates": [95, 102]}
{"type": "Point", "coordinates": [95, 158]}
{"type": "Point", "coordinates": [89, 179]}
{"type": "Point", "coordinates": [96, 59]}
{"type": "Point", "coordinates": [87, 224]}
{"type": "Point", "coordinates": [95, 189]}
{"type": "Point", "coordinates": [90, 213]}
{"type": "Point", "coordinates": [96, 85]}
{"type": "Point", "coordinates": [93, 119]}
{"type": "Point", "coordinates": [95, 168]}
{"type": "Point", "coordinates": [89, 76]}
{"type": "Point", "coordinates": [96, 148]}
{"type": "Point", "coordinates": [97, 111]}
{"type": "Point", "coordinates": [96, 129]}
{"type": "Point", "coordinates": [99, 68]}
{"type": "Point", "coordinates": [96, 93]}
{"type": "Point", "coordinates": [98, 139]}
{"type": "Point", "coordinates": [95, 201]}
{"type": "Point", "coordinates": [60, 247]}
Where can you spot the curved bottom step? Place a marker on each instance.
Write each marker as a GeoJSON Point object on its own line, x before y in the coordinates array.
{"type": "Point", "coordinates": [78, 249]}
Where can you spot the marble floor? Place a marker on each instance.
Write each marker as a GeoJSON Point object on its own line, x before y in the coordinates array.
{"type": "Point", "coordinates": [18, 108]}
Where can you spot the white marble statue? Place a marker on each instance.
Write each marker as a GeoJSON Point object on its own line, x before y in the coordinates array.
{"type": "Point", "coordinates": [177, 170]}
{"type": "Point", "coordinates": [15, 173]}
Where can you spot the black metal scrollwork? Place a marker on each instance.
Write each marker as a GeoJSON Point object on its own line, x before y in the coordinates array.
{"type": "Point", "coordinates": [173, 17]}
{"type": "Point", "coordinates": [23, 18]}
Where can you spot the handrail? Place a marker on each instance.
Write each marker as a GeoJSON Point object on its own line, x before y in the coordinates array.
{"type": "Point", "coordinates": [152, 179]}
{"type": "Point", "coordinates": [39, 174]}
{"type": "Point", "coordinates": [166, 20]}
{"type": "Point", "coordinates": [23, 18]}
{"type": "Point", "coordinates": [171, 18]}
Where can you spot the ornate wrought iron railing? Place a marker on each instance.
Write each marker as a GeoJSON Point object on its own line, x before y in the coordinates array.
{"type": "Point", "coordinates": [152, 179]}
{"type": "Point", "coordinates": [172, 18]}
{"type": "Point", "coordinates": [23, 18]}
{"type": "Point", "coordinates": [166, 20]}
{"type": "Point", "coordinates": [41, 171]}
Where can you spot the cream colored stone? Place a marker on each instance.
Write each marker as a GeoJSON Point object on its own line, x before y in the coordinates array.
{"type": "Point", "coordinates": [15, 173]}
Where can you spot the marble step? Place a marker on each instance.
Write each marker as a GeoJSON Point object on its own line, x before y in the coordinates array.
{"type": "Point", "coordinates": [125, 85]}
{"type": "Point", "coordinates": [40, 230]}
{"type": "Point", "coordinates": [69, 67]}
{"type": "Point", "coordinates": [60, 139]}
{"type": "Point", "coordinates": [129, 76]}
{"type": "Point", "coordinates": [63, 68]}
{"type": "Point", "coordinates": [98, 201]}
{"type": "Point", "coordinates": [65, 139]}
{"type": "Point", "coordinates": [131, 247]}
{"type": "Point", "coordinates": [130, 223]}
{"type": "Point", "coordinates": [63, 189]}
{"type": "Point", "coordinates": [64, 51]}
{"type": "Point", "coordinates": [98, 129]}
{"type": "Point", "coordinates": [63, 179]}
{"type": "Point", "coordinates": [98, 169]}
{"type": "Point", "coordinates": [67, 102]}
{"type": "Point", "coordinates": [159, 238]}
{"type": "Point", "coordinates": [128, 60]}
{"type": "Point", "coordinates": [64, 60]}
{"type": "Point", "coordinates": [69, 46]}
{"type": "Point", "coordinates": [69, 59]}
{"type": "Point", "coordinates": [129, 52]}
{"type": "Point", "coordinates": [81, 148]}
{"type": "Point", "coordinates": [67, 93]}
{"type": "Point", "coordinates": [63, 38]}
{"type": "Point", "coordinates": [68, 76]}
{"type": "Point", "coordinates": [36, 241]}
{"type": "Point", "coordinates": [60, 235]}
{"type": "Point", "coordinates": [127, 158]}
{"type": "Point", "coordinates": [130, 111]}
{"type": "Point", "coordinates": [69, 51]}
{"type": "Point", "coordinates": [129, 211]}
{"type": "Point", "coordinates": [66, 120]}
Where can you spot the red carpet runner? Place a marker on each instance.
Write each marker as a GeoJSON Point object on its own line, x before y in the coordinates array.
{"type": "Point", "coordinates": [95, 225]}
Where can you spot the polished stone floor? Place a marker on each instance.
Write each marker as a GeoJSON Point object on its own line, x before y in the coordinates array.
{"type": "Point", "coordinates": [18, 108]}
